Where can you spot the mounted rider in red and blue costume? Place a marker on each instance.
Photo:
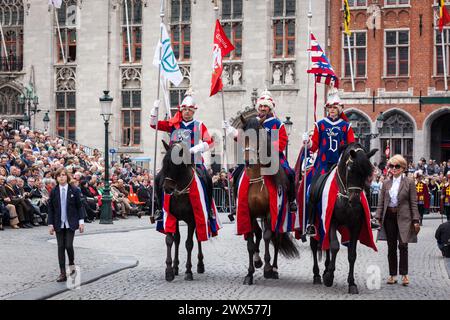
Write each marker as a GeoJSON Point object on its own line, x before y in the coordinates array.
{"type": "Point", "coordinates": [183, 127]}
{"type": "Point", "coordinates": [265, 106]}
{"type": "Point", "coordinates": [330, 134]}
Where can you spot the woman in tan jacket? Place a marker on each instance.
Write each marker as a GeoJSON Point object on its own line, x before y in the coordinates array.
{"type": "Point", "coordinates": [398, 216]}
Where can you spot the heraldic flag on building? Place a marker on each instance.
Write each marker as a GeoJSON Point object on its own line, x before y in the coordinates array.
{"type": "Point", "coordinates": [347, 18]}
{"type": "Point", "coordinates": [169, 65]}
{"type": "Point", "coordinates": [444, 17]}
{"type": "Point", "coordinates": [222, 47]}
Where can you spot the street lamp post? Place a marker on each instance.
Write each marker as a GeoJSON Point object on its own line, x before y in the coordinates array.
{"type": "Point", "coordinates": [46, 120]}
{"type": "Point", "coordinates": [106, 213]}
{"type": "Point", "coordinates": [288, 124]}
{"type": "Point", "coordinates": [29, 98]}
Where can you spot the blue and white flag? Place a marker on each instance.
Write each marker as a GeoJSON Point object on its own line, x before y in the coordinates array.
{"type": "Point", "coordinates": [56, 3]}
{"type": "Point", "coordinates": [169, 66]}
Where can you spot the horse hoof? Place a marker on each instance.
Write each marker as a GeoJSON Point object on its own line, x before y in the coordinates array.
{"type": "Point", "coordinates": [258, 264]}
{"type": "Point", "coordinates": [353, 290]}
{"type": "Point", "coordinates": [200, 268]}
{"type": "Point", "coordinates": [270, 274]}
{"type": "Point", "coordinates": [188, 277]}
{"type": "Point", "coordinates": [248, 280]}
{"type": "Point", "coordinates": [317, 280]}
{"type": "Point", "coordinates": [175, 271]}
{"type": "Point", "coordinates": [328, 279]}
{"type": "Point", "coordinates": [170, 275]}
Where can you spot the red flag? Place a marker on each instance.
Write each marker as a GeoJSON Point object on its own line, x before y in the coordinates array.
{"type": "Point", "coordinates": [444, 17]}
{"type": "Point", "coordinates": [222, 47]}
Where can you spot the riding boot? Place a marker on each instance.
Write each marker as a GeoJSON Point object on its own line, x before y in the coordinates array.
{"type": "Point", "coordinates": [158, 213]}
{"type": "Point", "coordinates": [291, 194]}
{"type": "Point", "coordinates": [311, 228]}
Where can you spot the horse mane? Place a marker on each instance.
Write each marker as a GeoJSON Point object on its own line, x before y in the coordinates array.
{"type": "Point", "coordinates": [362, 165]}
{"type": "Point", "coordinates": [252, 123]}
{"type": "Point", "coordinates": [176, 170]}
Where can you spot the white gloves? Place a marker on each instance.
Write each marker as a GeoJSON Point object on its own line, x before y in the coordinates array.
{"type": "Point", "coordinates": [230, 130]}
{"type": "Point", "coordinates": [201, 147]}
{"type": "Point", "coordinates": [154, 112]}
{"type": "Point", "coordinates": [305, 137]}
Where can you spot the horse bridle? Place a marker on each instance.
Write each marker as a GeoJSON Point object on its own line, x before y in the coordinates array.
{"type": "Point", "coordinates": [185, 190]}
{"type": "Point", "coordinates": [347, 190]}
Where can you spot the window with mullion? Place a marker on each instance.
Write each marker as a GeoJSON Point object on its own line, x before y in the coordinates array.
{"type": "Point", "coordinates": [136, 44]}
{"type": "Point", "coordinates": [358, 52]}
{"type": "Point", "coordinates": [131, 117]}
{"type": "Point", "coordinates": [397, 53]}
{"type": "Point", "coordinates": [181, 29]}
{"type": "Point", "coordinates": [357, 3]}
{"type": "Point", "coordinates": [283, 25]}
{"type": "Point", "coordinates": [438, 46]}
{"type": "Point", "coordinates": [65, 114]}
{"type": "Point", "coordinates": [396, 2]}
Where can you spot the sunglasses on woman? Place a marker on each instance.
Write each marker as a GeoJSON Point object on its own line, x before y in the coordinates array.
{"type": "Point", "coordinates": [397, 166]}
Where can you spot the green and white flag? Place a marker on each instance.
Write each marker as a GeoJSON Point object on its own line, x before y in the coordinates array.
{"type": "Point", "coordinates": [169, 66]}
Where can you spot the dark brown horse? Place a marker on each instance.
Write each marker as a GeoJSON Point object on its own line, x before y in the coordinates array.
{"type": "Point", "coordinates": [258, 202]}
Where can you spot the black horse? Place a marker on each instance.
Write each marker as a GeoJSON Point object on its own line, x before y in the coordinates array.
{"type": "Point", "coordinates": [175, 180]}
{"type": "Point", "coordinates": [258, 204]}
{"type": "Point", "coordinates": [354, 171]}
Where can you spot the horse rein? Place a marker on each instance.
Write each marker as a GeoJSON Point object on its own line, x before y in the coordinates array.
{"type": "Point", "coordinates": [347, 189]}
{"type": "Point", "coordinates": [185, 190]}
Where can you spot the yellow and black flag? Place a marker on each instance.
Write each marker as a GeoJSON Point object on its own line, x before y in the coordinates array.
{"type": "Point", "coordinates": [347, 18]}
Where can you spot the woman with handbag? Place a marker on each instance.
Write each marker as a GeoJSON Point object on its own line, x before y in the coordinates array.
{"type": "Point", "coordinates": [398, 217]}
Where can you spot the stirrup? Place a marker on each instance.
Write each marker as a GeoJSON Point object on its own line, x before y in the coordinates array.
{"type": "Point", "coordinates": [157, 215]}
{"type": "Point", "coordinates": [293, 206]}
{"type": "Point", "coordinates": [311, 231]}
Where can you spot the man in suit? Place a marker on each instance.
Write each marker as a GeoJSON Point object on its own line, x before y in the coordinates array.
{"type": "Point", "coordinates": [65, 216]}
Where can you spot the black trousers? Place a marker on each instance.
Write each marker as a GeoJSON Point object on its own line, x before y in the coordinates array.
{"type": "Point", "coordinates": [421, 209]}
{"type": "Point", "coordinates": [393, 239]}
{"type": "Point", "coordinates": [447, 212]}
{"type": "Point", "coordinates": [64, 238]}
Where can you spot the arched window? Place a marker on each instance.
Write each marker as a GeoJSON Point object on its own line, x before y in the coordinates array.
{"type": "Point", "coordinates": [9, 102]}
{"type": "Point", "coordinates": [398, 133]}
{"type": "Point", "coordinates": [11, 19]}
{"type": "Point", "coordinates": [361, 128]}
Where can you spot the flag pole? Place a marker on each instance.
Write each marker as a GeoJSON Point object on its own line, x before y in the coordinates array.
{"type": "Point", "coordinates": [128, 31]}
{"type": "Point", "coordinates": [157, 110]}
{"type": "Point", "coordinates": [59, 33]}
{"type": "Point", "coordinates": [307, 116]}
{"type": "Point", "coordinates": [443, 60]}
{"type": "Point", "coordinates": [216, 9]}
{"type": "Point", "coordinates": [351, 61]}
{"type": "Point", "coordinates": [4, 46]}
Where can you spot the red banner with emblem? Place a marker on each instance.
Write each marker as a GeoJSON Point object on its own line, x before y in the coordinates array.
{"type": "Point", "coordinates": [222, 47]}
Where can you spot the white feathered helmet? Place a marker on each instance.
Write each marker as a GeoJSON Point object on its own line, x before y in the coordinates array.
{"type": "Point", "coordinates": [265, 100]}
{"type": "Point", "coordinates": [333, 99]}
{"type": "Point", "coordinates": [188, 101]}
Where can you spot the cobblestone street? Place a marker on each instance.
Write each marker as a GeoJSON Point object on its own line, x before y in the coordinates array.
{"type": "Point", "coordinates": [226, 265]}
{"type": "Point", "coordinates": [29, 258]}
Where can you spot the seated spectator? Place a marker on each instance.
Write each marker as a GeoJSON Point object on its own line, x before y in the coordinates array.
{"type": "Point", "coordinates": [8, 210]}
{"type": "Point", "coordinates": [145, 193]}
{"type": "Point", "coordinates": [24, 210]}
{"type": "Point", "coordinates": [120, 195]}
{"type": "Point", "coordinates": [442, 236]}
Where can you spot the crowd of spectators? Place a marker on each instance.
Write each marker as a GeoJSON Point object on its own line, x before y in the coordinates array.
{"type": "Point", "coordinates": [28, 162]}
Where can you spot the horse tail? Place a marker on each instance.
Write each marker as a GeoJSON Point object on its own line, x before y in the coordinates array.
{"type": "Point", "coordinates": [286, 246]}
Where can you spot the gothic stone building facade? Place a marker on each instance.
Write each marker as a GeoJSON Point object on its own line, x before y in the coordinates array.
{"type": "Point", "coordinates": [271, 52]}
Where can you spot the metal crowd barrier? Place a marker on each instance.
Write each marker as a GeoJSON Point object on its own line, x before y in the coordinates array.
{"type": "Point", "coordinates": [221, 199]}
